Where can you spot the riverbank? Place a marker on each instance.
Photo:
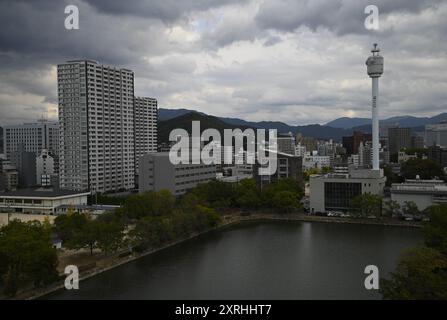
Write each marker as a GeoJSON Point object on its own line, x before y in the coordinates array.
{"type": "Point", "coordinates": [98, 263]}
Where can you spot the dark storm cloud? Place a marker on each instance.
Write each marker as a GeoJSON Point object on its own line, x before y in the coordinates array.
{"type": "Point", "coordinates": [294, 61]}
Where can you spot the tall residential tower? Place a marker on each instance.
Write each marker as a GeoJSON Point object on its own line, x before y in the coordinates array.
{"type": "Point", "coordinates": [146, 116]}
{"type": "Point", "coordinates": [96, 118]}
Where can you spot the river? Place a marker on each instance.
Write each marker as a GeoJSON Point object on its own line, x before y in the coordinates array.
{"type": "Point", "coordinates": [259, 260]}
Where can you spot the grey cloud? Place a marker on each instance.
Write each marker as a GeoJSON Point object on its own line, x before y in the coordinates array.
{"type": "Point", "coordinates": [166, 10]}
{"type": "Point", "coordinates": [341, 16]}
{"type": "Point", "coordinates": [207, 74]}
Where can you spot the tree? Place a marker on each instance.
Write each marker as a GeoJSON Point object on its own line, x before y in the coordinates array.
{"type": "Point", "coordinates": [367, 204]}
{"type": "Point", "coordinates": [286, 202]}
{"type": "Point", "coordinates": [391, 177]}
{"type": "Point", "coordinates": [77, 231]}
{"type": "Point", "coordinates": [391, 208]}
{"type": "Point", "coordinates": [149, 204]}
{"type": "Point", "coordinates": [152, 231]}
{"type": "Point", "coordinates": [310, 172]}
{"type": "Point", "coordinates": [424, 168]}
{"type": "Point", "coordinates": [109, 235]}
{"type": "Point", "coordinates": [26, 255]}
{"type": "Point", "coordinates": [272, 189]}
{"type": "Point", "coordinates": [436, 230]}
{"type": "Point", "coordinates": [422, 272]}
{"type": "Point", "coordinates": [216, 194]}
{"type": "Point", "coordinates": [420, 275]}
{"type": "Point", "coordinates": [247, 195]}
{"type": "Point", "coordinates": [410, 208]}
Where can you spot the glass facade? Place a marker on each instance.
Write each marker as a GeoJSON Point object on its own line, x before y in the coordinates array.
{"type": "Point", "coordinates": [338, 196]}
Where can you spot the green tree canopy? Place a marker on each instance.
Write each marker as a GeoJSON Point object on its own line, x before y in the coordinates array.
{"type": "Point", "coordinates": [26, 255]}
{"type": "Point", "coordinates": [366, 204]}
{"type": "Point", "coordinates": [422, 272]}
{"type": "Point", "coordinates": [424, 168]}
{"type": "Point", "coordinates": [421, 275]}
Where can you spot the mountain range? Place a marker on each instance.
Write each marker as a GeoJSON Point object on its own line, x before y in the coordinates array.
{"type": "Point", "coordinates": [181, 118]}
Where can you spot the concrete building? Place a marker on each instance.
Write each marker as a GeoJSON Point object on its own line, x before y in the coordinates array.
{"type": "Point", "coordinates": [300, 150]}
{"type": "Point", "coordinates": [44, 168]}
{"type": "Point", "coordinates": [399, 138]}
{"type": "Point", "coordinates": [335, 191]}
{"type": "Point", "coordinates": [31, 137]}
{"type": "Point", "coordinates": [438, 155]}
{"type": "Point", "coordinates": [288, 166]}
{"type": "Point", "coordinates": [404, 157]}
{"type": "Point", "coordinates": [157, 173]}
{"type": "Point", "coordinates": [417, 142]}
{"type": "Point", "coordinates": [317, 162]}
{"type": "Point", "coordinates": [308, 142]}
{"type": "Point", "coordinates": [286, 143]}
{"type": "Point", "coordinates": [96, 120]}
{"type": "Point", "coordinates": [424, 193]}
{"type": "Point", "coordinates": [24, 142]}
{"type": "Point", "coordinates": [39, 201]}
{"type": "Point", "coordinates": [9, 175]}
{"type": "Point", "coordinates": [1, 141]}
{"type": "Point", "coordinates": [352, 143]}
{"type": "Point", "coordinates": [436, 134]}
{"type": "Point", "coordinates": [365, 155]}
{"type": "Point", "coordinates": [145, 117]}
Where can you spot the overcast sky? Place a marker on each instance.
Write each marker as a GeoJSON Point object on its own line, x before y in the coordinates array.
{"type": "Point", "coordinates": [297, 61]}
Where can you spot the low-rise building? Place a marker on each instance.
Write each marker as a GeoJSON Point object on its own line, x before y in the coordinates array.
{"type": "Point", "coordinates": [39, 201]}
{"type": "Point", "coordinates": [157, 173]}
{"type": "Point", "coordinates": [319, 162]}
{"type": "Point", "coordinates": [335, 191]}
{"type": "Point", "coordinates": [424, 193]}
{"type": "Point", "coordinates": [95, 209]}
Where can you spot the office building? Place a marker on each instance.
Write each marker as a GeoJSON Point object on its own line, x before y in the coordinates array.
{"type": "Point", "coordinates": [438, 155]}
{"type": "Point", "coordinates": [96, 120]}
{"type": "Point", "coordinates": [417, 142]}
{"type": "Point", "coordinates": [145, 118]}
{"type": "Point", "coordinates": [22, 143]}
{"type": "Point", "coordinates": [158, 173]}
{"type": "Point", "coordinates": [286, 143]}
{"type": "Point", "coordinates": [300, 150]}
{"type": "Point", "coordinates": [352, 143]}
{"type": "Point", "coordinates": [288, 166]}
{"type": "Point", "coordinates": [398, 138]}
{"type": "Point", "coordinates": [316, 162]}
{"type": "Point", "coordinates": [436, 134]}
{"type": "Point", "coordinates": [335, 191]}
{"type": "Point", "coordinates": [9, 175]}
{"type": "Point", "coordinates": [424, 193]}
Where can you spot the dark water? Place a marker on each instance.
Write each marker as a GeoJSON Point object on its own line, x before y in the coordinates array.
{"type": "Point", "coordinates": [268, 260]}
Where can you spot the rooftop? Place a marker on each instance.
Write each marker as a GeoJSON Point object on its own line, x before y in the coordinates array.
{"type": "Point", "coordinates": [42, 193]}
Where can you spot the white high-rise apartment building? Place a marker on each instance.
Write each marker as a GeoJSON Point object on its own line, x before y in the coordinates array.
{"type": "Point", "coordinates": [96, 119]}
{"type": "Point", "coordinates": [146, 116]}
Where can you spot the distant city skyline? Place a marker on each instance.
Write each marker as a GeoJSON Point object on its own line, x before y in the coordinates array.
{"type": "Point", "coordinates": [299, 62]}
